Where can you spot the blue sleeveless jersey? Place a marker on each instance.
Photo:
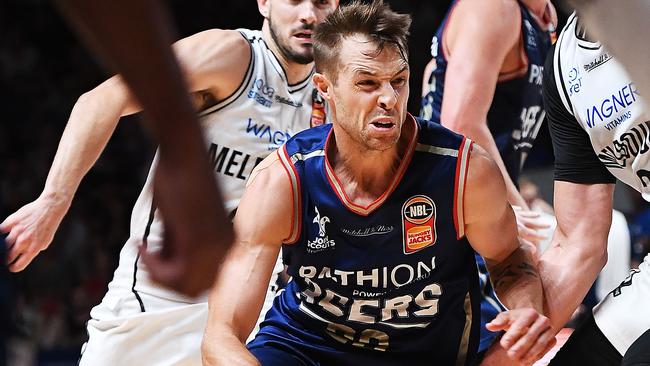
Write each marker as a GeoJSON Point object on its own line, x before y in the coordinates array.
{"type": "Point", "coordinates": [393, 283]}
{"type": "Point", "coordinates": [516, 113]}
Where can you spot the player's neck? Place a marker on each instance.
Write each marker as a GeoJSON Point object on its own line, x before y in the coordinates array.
{"type": "Point", "coordinates": [295, 72]}
{"type": "Point", "coordinates": [366, 173]}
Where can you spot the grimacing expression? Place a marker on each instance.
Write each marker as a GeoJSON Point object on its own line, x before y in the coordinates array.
{"type": "Point", "coordinates": [292, 23]}
{"type": "Point", "coordinates": [370, 93]}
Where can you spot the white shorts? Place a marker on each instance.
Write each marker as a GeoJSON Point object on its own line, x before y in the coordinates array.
{"type": "Point", "coordinates": [162, 337]}
{"type": "Point", "coordinates": [168, 333]}
{"type": "Point", "coordinates": [624, 314]}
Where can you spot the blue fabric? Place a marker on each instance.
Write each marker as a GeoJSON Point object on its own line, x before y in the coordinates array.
{"type": "Point", "coordinates": [390, 286]}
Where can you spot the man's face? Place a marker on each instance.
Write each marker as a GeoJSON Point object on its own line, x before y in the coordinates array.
{"type": "Point", "coordinates": [292, 22]}
{"type": "Point", "coordinates": [370, 93]}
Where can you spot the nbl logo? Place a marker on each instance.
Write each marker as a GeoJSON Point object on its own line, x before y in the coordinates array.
{"type": "Point", "coordinates": [418, 223]}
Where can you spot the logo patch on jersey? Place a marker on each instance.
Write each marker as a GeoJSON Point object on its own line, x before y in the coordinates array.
{"type": "Point", "coordinates": [418, 223]}
{"type": "Point", "coordinates": [262, 93]}
{"type": "Point", "coordinates": [321, 242]}
{"type": "Point", "coordinates": [598, 61]}
{"type": "Point", "coordinates": [318, 114]}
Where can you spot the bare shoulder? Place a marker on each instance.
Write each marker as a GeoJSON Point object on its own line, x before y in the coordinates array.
{"type": "Point", "coordinates": [485, 188]}
{"type": "Point", "coordinates": [214, 60]}
{"type": "Point", "coordinates": [481, 164]}
{"type": "Point", "coordinates": [269, 185]}
{"type": "Point", "coordinates": [266, 208]}
{"type": "Point", "coordinates": [271, 168]}
{"type": "Point", "coordinates": [219, 42]}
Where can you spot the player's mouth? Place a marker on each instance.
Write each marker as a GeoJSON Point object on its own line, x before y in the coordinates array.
{"type": "Point", "coordinates": [304, 36]}
{"type": "Point", "coordinates": [383, 123]}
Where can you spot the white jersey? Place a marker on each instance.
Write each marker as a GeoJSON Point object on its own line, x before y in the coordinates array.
{"type": "Point", "coordinates": [598, 92]}
{"type": "Point", "coordinates": [240, 131]}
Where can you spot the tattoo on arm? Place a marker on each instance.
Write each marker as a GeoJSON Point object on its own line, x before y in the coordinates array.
{"type": "Point", "coordinates": [503, 278]}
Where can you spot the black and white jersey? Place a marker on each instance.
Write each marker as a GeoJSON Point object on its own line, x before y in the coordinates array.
{"type": "Point", "coordinates": [240, 132]}
{"type": "Point", "coordinates": [598, 121]}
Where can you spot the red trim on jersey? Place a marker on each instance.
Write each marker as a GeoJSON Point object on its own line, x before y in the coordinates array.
{"type": "Point", "coordinates": [337, 187]}
{"type": "Point", "coordinates": [295, 209]}
{"type": "Point", "coordinates": [457, 184]}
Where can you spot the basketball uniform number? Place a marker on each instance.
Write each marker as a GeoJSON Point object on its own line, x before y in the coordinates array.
{"type": "Point", "coordinates": [367, 338]}
{"type": "Point", "coordinates": [531, 120]}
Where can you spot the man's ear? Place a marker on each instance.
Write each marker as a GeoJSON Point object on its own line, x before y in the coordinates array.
{"type": "Point", "coordinates": [323, 85]}
{"type": "Point", "coordinates": [264, 7]}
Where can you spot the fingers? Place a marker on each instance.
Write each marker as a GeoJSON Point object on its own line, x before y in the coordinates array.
{"type": "Point", "coordinates": [21, 252]}
{"type": "Point", "coordinates": [500, 322]}
{"type": "Point", "coordinates": [523, 213]}
{"type": "Point", "coordinates": [520, 324]}
{"type": "Point", "coordinates": [8, 223]}
{"type": "Point", "coordinates": [14, 248]}
{"type": "Point", "coordinates": [544, 344]}
{"type": "Point", "coordinates": [536, 336]}
{"type": "Point", "coordinates": [530, 234]}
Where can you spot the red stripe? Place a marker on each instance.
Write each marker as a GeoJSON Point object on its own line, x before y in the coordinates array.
{"type": "Point", "coordinates": [295, 209]}
{"type": "Point", "coordinates": [358, 209]}
{"type": "Point", "coordinates": [459, 161]}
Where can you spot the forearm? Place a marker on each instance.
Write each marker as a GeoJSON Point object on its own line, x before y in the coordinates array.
{"type": "Point", "coordinates": [517, 282]}
{"type": "Point", "coordinates": [220, 346]}
{"type": "Point", "coordinates": [567, 273]}
{"type": "Point", "coordinates": [91, 124]}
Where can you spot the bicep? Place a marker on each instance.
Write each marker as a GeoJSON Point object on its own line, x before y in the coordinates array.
{"type": "Point", "coordinates": [261, 224]}
{"type": "Point", "coordinates": [490, 222]}
{"type": "Point", "coordinates": [475, 56]}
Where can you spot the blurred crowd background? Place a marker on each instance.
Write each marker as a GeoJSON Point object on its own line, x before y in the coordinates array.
{"type": "Point", "coordinates": [43, 70]}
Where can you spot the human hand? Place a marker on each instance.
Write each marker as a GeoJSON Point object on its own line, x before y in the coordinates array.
{"type": "Point", "coordinates": [530, 225]}
{"type": "Point", "coordinates": [31, 229]}
{"type": "Point", "coordinates": [528, 334]}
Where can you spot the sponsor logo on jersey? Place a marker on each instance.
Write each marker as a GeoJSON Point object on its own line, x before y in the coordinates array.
{"type": "Point", "coordinates": [418, 223]}
{"type": "Point", "coordinates": [231, 162]}
{"type": "Point", "coordinates": [263, 131]}
{"type": "Point", "coordinates": [368, 231]}
{"type": "Point", "coordinates": [317, 109]}
{"type": "Point", "coordinates": [357, 297]}
{"type": "Point", "coordinates": [628, 146]}
{"type": "Point", "coordinates": [287, 101]}
{"type": "Point", "coordinates": [575, 81]}
{"type": "Point", "coordinates": [620, 100]}
{"type": "Point", "coordinates": [598, 61]}
{"type": "Point", "coordinates": [262, 93]}
{"type": "Point", "coordinates": [321, 242]}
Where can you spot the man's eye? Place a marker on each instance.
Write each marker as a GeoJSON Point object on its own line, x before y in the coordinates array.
{"type": "Point", "coordinates": [399, 82]}
{"type": "Point", "coordinates": [366, 83]}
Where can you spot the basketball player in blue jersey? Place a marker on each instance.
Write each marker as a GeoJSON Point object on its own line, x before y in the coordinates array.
{"type": "Point", "coordinates": [252, 88]}
{"type": "Point", "coordinates": [378, 216]}
{"type": "Point", "coordinates": [484, 81]}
